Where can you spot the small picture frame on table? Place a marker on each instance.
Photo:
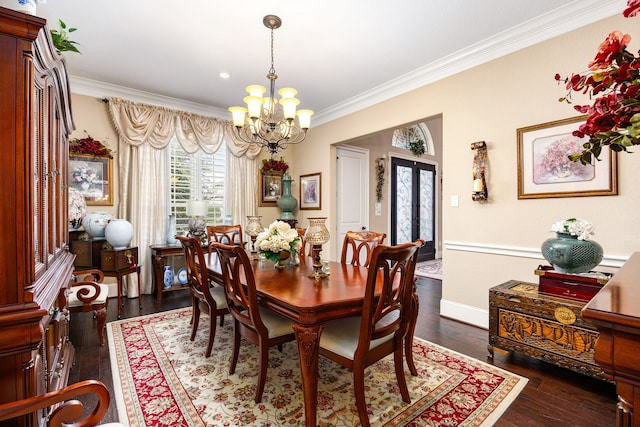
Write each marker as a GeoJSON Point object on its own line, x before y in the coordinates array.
{"type": "Point", "coordinates": [311, 191]}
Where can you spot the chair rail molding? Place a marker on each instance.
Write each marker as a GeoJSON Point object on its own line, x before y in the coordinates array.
{"type": "Point", "coordinates": [612, 261]}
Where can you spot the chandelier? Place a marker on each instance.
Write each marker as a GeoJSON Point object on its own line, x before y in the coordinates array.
{"type": "Point", "coordinates": [272, 123]}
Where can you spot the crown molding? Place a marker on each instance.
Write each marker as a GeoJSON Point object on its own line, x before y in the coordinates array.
{"type": "Point", "coordinates": [563, 20]}
{"type": "Point", "coordinates": [88, 87]}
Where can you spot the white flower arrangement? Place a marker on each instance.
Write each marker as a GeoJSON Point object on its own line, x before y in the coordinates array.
{"type": "Point", "coordinates": [77, 207]}
{"type": "Point", "coordinates": [575, 227]}
{"type": "Point", "coordinates": [277, 238]}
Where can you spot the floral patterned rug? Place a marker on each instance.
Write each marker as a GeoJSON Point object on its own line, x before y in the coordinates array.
{"type": "Point", "coordinates": [163, 379]}
{"type": "Point", "coordinates": [432, 269]}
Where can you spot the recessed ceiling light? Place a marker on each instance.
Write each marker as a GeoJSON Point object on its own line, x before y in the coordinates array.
{"type": "Point", "coordinates": [224, 75]}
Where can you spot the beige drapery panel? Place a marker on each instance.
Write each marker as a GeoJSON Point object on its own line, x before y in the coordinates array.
{"type": "Point", "coordinates": [144, 131]}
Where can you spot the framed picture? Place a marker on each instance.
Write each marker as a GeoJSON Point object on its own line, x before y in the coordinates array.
{"type": "Point", "coordinates": [270, 188]}
{"type": "Point", "coordinates": [92, 176]}
{"type": "Point", "coordinates": [544, 169]}
{"type": "Point", "coordinates": [310, 191]}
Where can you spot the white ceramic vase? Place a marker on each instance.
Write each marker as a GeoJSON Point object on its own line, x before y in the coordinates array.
{"type": "Point", "coordinates": [94, 223]}
{"type": "Point", "coordinates": [77, 208]}
{"type": "Point", "coordinates": [26, 6]}
{"type": "Point", "coordinates": [119, 233]}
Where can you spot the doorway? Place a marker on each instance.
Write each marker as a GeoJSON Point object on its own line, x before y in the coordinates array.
{"type": "Point", "coordinates": [413, 204]}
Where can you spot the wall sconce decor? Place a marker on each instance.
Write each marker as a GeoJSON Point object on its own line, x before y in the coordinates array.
{"type": "Point", "coordinates": [380, 166]}
{"type": "Point", "coordinates": [480, 192]}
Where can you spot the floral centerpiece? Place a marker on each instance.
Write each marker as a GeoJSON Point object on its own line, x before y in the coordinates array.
{"type": "Point", "coordinates": [272, 165]}
{"type": "Point", "coordinates": [581, 228]}
{"type": "Point", "coordinates": [571, 251]}
{"type": "Point", "coordinates": [278, 239]}
{"type": "Point", "coordinates": [89, 146]}
{"type": "Point", "coordinates": [613, 82]}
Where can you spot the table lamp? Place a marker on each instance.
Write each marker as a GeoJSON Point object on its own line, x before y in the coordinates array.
{"type": "Point", "coordinates": [317, 235]}
{"type": "Point", "coordinates": [197, 210]}
{"type": "Point", "coordinates": [254, 227]}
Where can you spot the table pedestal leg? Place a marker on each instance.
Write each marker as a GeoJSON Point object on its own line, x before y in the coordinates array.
{"type": "Point", "coordinates": [308, 339]}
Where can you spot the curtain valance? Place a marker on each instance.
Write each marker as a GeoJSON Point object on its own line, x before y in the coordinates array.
{"type": "Point", "coordinates": [137, 124]}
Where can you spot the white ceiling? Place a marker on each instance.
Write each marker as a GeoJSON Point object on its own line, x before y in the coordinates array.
{"type": "Point", "coordinates": [341, 55]}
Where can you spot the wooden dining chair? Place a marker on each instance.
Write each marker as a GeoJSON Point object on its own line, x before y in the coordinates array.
{"type": "Point", "coordinates": [357, 247]}
{"type": "Point", "coordinates": [89, 294]}
{"type": "Point", "coordinates": [256, 323]}
{"type": "Point", "coordinates": [227, 234]}
{"type": "Point", "coordinates": [210, 299]}
{"type": "Point", "coordinates": [358, 342]}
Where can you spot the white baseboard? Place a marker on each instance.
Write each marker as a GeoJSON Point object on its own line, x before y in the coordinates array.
{"type": "Point", "coordinates": [465, 313]}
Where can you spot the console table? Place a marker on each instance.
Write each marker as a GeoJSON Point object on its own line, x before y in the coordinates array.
{"type": "Point", "coordinates": [158, 254]}
{"type": "Point", "coordinates": [615, 312]}
{"type": "Point", "coordinates": [546, 327]}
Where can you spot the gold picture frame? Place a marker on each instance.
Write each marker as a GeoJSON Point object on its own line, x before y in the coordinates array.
{"type": "Point", "coordinates": [311, 191]}
{"type": "Point", "coordinates": [269, 188]}
{"type": "Point", "coordinates": [544, 170]}
{"type": "Point", "coordinates": [92, 176]}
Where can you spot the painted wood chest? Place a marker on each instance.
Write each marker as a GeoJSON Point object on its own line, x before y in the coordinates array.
{"type": "Point", "coordinates": [546, 327]}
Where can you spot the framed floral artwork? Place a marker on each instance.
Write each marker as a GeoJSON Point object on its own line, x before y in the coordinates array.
{"type": "Point", "coordinates": [544, 169]}
{"type": "Point", "coordinates": [270, 188]}
{"type": "Point", "coordinates": [310, 191]}
{"type": "Point", "coordinates": [92, 176]}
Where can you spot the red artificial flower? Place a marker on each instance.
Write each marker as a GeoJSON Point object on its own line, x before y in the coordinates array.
{"type": "Point", "coordinates": [613, 84]}
{"type": "Point", "coordinates": [633, 7]}
{"type": "Point", "coordinates": [89, 146]}
{"type": "Point", "coordinates": [609, 50]}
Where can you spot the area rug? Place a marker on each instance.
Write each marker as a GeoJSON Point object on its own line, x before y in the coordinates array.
{"type": "Point", "coordinates": [432, 269]}
{"type": "Point", "coordinates": [163, 379]}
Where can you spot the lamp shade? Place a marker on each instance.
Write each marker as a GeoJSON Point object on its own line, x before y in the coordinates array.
{"type": "Point", "coordinates": [197, 208]}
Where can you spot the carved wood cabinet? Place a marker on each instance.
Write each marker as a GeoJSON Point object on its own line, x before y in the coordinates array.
{"type": "Point", "coordinates": [35, 264]}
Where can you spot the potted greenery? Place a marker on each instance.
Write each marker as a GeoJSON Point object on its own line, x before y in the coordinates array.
{"type": "Point", "coordinates": [60, 38]}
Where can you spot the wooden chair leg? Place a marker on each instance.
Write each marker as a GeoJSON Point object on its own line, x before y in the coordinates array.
{"type": "Point", "coordinates": [408, 341]}
{"type": "Point", "coordinates": [402, 381]}
{"type": "Point", "coordinates": [263, 363]}
{"type": "Point", "coordinates": [212, 335]}
{"type": "Point", "coordinates": [101, 315]}
{"type": "Point", "coordinates": [196, 320]}
{"type": "Point", "coordinates": [236, 347]}
{"type": "Point", "coordinates": [361, 403]}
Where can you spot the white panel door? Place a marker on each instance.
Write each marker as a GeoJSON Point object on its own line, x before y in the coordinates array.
{"type": "Point", "coordinates": [352, 183]}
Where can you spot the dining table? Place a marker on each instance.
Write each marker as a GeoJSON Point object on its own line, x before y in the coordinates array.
{"type": "Point", "coordinates": [309, 303]}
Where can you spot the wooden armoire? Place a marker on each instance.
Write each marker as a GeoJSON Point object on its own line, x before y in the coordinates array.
{"type": "Point", "coordinates": [35, 264]}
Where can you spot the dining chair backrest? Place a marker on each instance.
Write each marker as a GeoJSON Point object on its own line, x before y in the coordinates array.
{"type": "Point", "coordinates": [357, 247]}
{"type": "Point", "coordinates": [197, 278]}
{"type": "Point", "coordinates": [227, 234]}
{"type": "Point", "coordinates": [305, 249]}
{"type": "Point", "coordinates": [239, 285]}
{"type": "Point", "coordinates": [390, 312]}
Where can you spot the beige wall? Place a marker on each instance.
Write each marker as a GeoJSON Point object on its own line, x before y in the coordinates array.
{"type": "Point", "coordinates": [489, 243]}
{"type": "Point", "coordinates": [485, 244]}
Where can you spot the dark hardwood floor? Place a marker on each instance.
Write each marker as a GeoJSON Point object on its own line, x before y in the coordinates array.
{"type": "Point", "coordinates": [553, 396]}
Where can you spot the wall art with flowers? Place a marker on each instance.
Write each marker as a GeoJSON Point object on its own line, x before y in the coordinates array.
{"type": "Point", "coordinates": [90, 170]}
{"type": "Point", "coordinates": [545, 168]}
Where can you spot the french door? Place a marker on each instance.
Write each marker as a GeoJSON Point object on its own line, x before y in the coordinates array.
{"type": "Point", "coordinates": [413, 204]}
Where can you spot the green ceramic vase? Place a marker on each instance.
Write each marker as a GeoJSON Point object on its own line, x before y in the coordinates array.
{"type": "Point", "coordinates": [569, 255]}
{"type": "Point", "coordinates": [287, 203]}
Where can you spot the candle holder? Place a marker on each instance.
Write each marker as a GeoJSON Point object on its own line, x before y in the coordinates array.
{"type": "Point", "coordinates": [254, 227]}
{"type": "Point", "coordinates": [317, 235]}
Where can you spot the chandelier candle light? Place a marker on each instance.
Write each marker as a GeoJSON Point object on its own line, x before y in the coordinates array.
{"type": "Point", "coordinates": [272, 122]}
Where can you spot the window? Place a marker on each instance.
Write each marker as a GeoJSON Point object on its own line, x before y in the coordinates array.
{"type": "Point", "coordinates": [198, 176]}
{"type": "Point", "coordinates": [402, 137]}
